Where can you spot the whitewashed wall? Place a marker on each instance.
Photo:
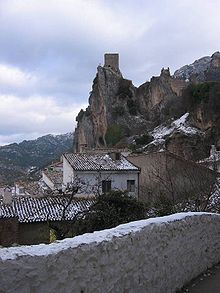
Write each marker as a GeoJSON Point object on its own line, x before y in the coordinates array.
{"type": "Point", "coordinates": [68, 173]}
{"type": "Point", "coordinates": [156, 255]}
{"type": "Point", "coordinates": [91, 180]}
{"type": "Point", "coordinates": [48, 181]}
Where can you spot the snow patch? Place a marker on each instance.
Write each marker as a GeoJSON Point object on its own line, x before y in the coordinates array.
{"type": "Point", "coordinates": [95, 237]}
{"type": "Point", "coordinates": [180, 125]}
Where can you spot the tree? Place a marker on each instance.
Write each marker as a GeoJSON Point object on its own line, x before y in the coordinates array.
{"type": "Point", "coordinates": [110, 210]}
{"type": "Point", "coordinates": [177, 185]}
{"type": "Point", "coordinates": [65, 227]}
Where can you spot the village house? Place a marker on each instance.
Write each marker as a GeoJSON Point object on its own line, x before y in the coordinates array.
{"type": "Point", "coordinates": [28, 188]}
{"type": "Point", "coordinates": [25, 220]}
{"type": "Point", "coordinates": [52, 177]}
{"type": "Point", "coordinates": [97, 173]}
{"type": "Point", "coordinates": [163, 173]}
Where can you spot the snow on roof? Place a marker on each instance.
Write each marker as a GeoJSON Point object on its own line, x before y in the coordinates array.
{"type": "Point", "coordinates": [95, 237]}
{"type": "Point", "coordinates": [98, 162]}
{"type": "Point", "coordinates": [29, 209]}
{"type": "Point", "coordinates": [55, 176]}
{"type": "Point", "coordinates": [180, 125]}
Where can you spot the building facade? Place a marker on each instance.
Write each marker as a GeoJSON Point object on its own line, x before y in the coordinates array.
{"type": "Point", "coordinates": [100, 173]}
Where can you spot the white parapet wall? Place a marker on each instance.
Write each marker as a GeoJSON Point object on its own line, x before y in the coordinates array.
{"type": "Point", "coordinates": [153, 255]}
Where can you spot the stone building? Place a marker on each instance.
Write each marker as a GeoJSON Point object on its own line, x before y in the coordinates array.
{"type": "Point", "coordinates": [25, 220]}
{"type": "Point", "coordinates": [97, 173]}
{"type": "Point", "coordinates": [112, 60]}
{"type": "Point", "coordinates": [163, 173]}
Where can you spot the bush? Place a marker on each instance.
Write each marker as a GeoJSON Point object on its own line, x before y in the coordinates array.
{"type": "Point", "coordinates": [124, 88]}
{"type": "Point", "coordinates": [113, 134]}
{"type": "Point", "coordinates": [132, 107]}
{"type": "Point", "coordinates": [194, 94]}
{"type": "Point", "coordinates": [111, 210]}
{"type": "Point", "coordinates": [118, 111]}
{"type": "Point", "coordinates": [144, 139]}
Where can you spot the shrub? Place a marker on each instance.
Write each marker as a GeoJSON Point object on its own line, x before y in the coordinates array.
{"type": "Point", "coordinates": [144, 139]}
{"type": "Point", "coordinates": [132, 107]}
{"type": "Point", "coordinates": [113, 134]}
{"type": "Point", "coordinates": [111, 210]}
{"type": "Point", "coordinates": [194, 94]}
{"type": "Point", "coordinates": [118, 111]}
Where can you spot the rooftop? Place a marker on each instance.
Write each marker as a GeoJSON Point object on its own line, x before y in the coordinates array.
{"type": "Point", "coordinates": [28, 209]}
{"type": "Point", "coordinates": [55, 176]}
{"type": "Point", "coordinates": [98, 162]}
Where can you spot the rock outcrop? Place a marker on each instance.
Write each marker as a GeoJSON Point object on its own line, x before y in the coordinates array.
{"type": "Point", "coordinates": [204, 69]}
{"type": "Point", "coordinates": [118, 108]}
{"type": "Point", "coordinates": [120, 113]}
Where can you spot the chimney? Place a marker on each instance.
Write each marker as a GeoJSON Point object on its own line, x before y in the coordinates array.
{"type": "Point", "coordinates": [7, 196]}
{"type": "Point", "coordinates": [115, 156]}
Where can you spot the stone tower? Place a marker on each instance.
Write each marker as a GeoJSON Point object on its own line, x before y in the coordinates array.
{"type": "Point", "coordinates": [112, 61]}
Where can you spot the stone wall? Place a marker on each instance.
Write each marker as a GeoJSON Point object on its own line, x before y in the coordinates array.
{"type": "Point", "coordinates": [154, 255]}
{"type": "Point", "coordinates": [112, 60]}
{"type": "Point", "coordinates": [8, 231]}
{"type": "Point", "coordinates": [166, 173]}
{"type": "Point", "coordinates": [33, 233]}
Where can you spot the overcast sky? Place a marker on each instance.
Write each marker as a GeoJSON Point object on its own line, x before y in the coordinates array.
{"type": "Point", "coordinates": [50, 49]}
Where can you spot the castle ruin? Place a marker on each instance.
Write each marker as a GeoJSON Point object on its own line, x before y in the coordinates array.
{"type": "Point", "coordinates": [112, 61]}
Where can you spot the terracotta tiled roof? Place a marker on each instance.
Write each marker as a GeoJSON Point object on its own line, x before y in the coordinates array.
{"type": "Point", "coordinates": [28, 209]}
{"type": "Point", "coordinates": [98, 162]}
{"type": "Point", "coordinates": [55, 176]}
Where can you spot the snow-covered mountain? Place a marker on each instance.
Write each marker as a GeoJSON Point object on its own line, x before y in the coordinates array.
{"type": "Point", "coordinates": [18, 160]}
{"type": "Point", "coordinates": [204, 69]}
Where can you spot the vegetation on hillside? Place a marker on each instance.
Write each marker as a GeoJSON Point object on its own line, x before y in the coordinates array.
{"type": "Point", "coordinates": [207, 93]}
{"type": "Point", "coordinates": [109, 210]}
{"type": "Point", "coordinates": [17, 158]}
{"type": "Point", "coordinates": [113, 134]}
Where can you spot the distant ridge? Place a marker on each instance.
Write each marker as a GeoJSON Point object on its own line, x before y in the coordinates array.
{"type": "Point", "coordinates": [17, 159]}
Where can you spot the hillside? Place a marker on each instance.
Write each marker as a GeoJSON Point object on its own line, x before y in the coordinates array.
{"type": "Point", "coordinates": [22, 160]}
{"type": "Point", "coordinates": [120, 114]}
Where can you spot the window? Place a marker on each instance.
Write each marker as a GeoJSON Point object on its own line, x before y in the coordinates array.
{"type": "Point", "coordinates": [106, 186]}
{"type": "Point", "coordinates": [131, 185]}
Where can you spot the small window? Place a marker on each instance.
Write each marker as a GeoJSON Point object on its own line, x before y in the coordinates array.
{"type": "Point", "coordinates": [131, 185]}
{"type": "Point", "coordinates": [106, 186]}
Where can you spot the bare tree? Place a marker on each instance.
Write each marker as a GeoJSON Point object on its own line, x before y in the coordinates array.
{"type": "Point", "coordinates": [175, 185]}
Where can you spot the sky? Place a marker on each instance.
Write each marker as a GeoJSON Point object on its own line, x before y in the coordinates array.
{"type": "Point", "coordinates": [50, 49]}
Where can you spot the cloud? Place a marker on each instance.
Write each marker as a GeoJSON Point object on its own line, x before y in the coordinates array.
{"type": "Point", "coordinates": [34, 116]}
{"type": "Point", "coordinates": [14, 79]}
{"type": "Point", "coordinates": [50, 50]}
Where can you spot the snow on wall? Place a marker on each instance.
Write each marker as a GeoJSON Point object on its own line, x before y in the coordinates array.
{"type": "Point", "coordinates": [154, 255]}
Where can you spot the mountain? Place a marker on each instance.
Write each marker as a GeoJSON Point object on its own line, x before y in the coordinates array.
{"type": "Point", "coordinates": [202, 70]}
{"type": "Point", "coordinates": [120, 114]}
{"type": "Point", "coordinates": [117, 109]}
{"type": "Point", "coordinates": [22, 160]}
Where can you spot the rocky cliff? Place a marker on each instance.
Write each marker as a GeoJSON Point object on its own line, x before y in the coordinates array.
{"type": "Point", "coordinates": [121, 114]}
{"type": "Point", "coordinates": [118, 110]}
{"type": "Point", "coordinates": [204, 69]}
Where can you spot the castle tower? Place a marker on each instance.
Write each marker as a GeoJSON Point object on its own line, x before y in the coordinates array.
{"type": "Point", "coordinates": [112, 61]}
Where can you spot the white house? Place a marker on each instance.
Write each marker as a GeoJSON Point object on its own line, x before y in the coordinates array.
{"type": "Point", "coordinates": [52, 176]}
{"type": "Point", "coordinates": [100, 173]}
{"type": "Point", "coordinates": [53, 179]}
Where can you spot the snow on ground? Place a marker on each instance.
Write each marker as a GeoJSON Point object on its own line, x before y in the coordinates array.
{"type": "Point", "coordinates": [180, 124]}
{"type": "Point", "coordinates": [95, 237]}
